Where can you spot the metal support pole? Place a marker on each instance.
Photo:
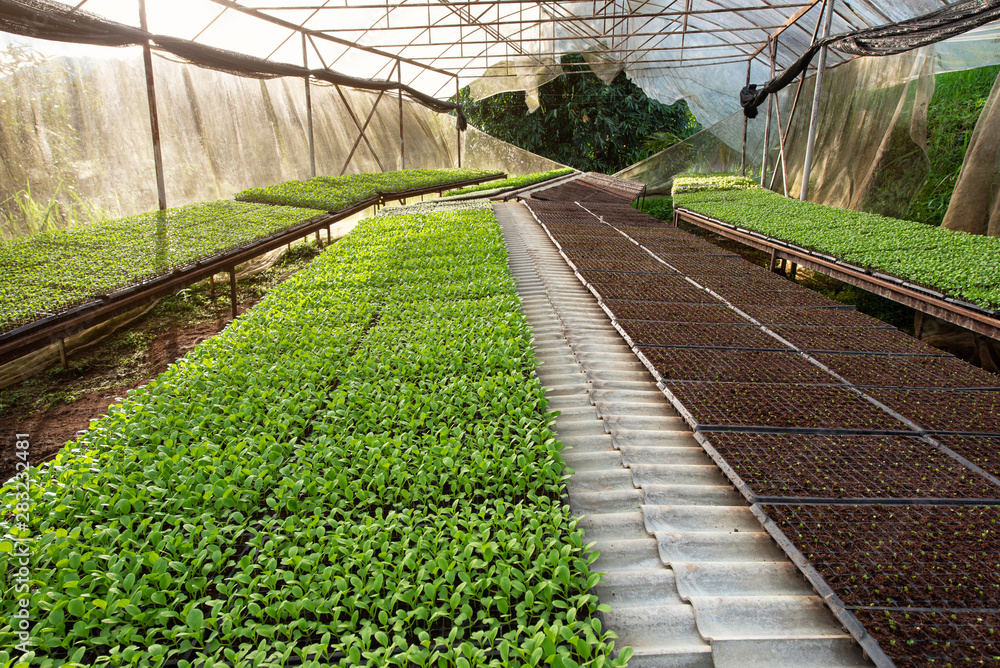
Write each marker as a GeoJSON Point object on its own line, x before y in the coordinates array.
{"type": "Point", "coordinates": [154, 121]}
{"type": "Point", "coordinates": [211, 286]}
{"type": "Point", "coordinates": [919, 324]}
{"type": "Point", "coordinates": [62, 354]}
{"type": "Point", "coordinates": [402, 144]}
{"type": "Point", "coordinates": [767, 127]}
{"type": "Point", "coordinates": [814, 121]}
{"type": "Point", "coordinates": [774, 260]}
{"type": "Point", "coordinates": [232, 291]}
{"type": "Point", "coordinates": [458, 133]}
{"type": "Point", "coordinates": [309, 110]}
{"type": "Point", "coordinates": [743, 158]}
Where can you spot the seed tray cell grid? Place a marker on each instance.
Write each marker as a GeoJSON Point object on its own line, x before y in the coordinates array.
{"type": "Point", "coordinates": [898, 556]}
{"type": "Point", "coordinates": [732, 366]}
{"type": "Point", "coordinates": [780, 406]}
{"type": "Point", "coordinates": [766, 282]}
{"type": "Point", "coordinates": [908, 371]}
{"type": "Point", "coordinates": [942, 638]}
{"type": "Point", "coordinates": [676, 313]}
{"type": "Point", "coordinates": [669, 253]}
{"type": "Point", "coordinates": [686, 334]}
{"type": "Point", "coordinates": [946, 410]}
{"type": "Point", "coordinates": [564, 214]}
{"type": "Point", "coordinates": [695, 266]}
{"type": "Point", "coordinates": [664, 278]}
{"type": "Point", "coordinates": [594, 262]}
{"type": "Point", "coordinates": [884, 341]}
{"type": "Point", "coordinates": [572, 229]}
{"type": "Point", "coordinates": [789, 298]}
{"type": "Point", "coordinates": [848, 467]}
{"type": "Point", "coordinates": [658, 288]}
{"type": "Point", "coordinates": [615, 247]}
{"type": "Point", "coordinates": [661, 231]}
{"type": "Point", "coordinates": [983, 452]}
{"type": "Point", "coordinates": [810, 318]}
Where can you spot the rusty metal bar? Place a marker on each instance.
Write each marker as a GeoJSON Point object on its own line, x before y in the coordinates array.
{"type": "Point", "coordinates": [939, 308]}
{"type": "Point", "coordinates": [309, 108]}
{"type": "Point", "coordinates": [743, 159]}
{"type": "Point", "coordinates": [232, 291]}
{"type": "Point", "coordinates": [402, 142]}
{"type": "Point", "coordinates": [62, 354]}
{"type": "Point", "coordinates": [154, 119]}
{"type": "Point", "coordinates": [817, 93]}
{"type": "Point", "coordinates": [458, 133]}
{"type": "Point", "coordinates": [767, 126]}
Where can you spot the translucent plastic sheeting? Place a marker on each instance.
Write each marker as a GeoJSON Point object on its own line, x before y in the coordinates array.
{"type": "Point", "coordinates": [76, 130]}
{"type": "Point", "coordinates": [975, 202]}
{"type": "Point", "coordinates": [870, 148]}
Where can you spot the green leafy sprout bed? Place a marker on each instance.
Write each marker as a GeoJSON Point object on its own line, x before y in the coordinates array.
{"type": "Point", "coordinates": [513, 182]}
{"type": "Point", "coordinates": [336, 193]}
{"type": "Point", "coordinates": [963, 266]}
{"type": "Point", "coordinates": [361, 469]}
{"type": "Point", "coordinates": [48, 272]}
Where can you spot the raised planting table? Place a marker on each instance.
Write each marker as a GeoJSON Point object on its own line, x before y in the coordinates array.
{"type": "Point", "coordinates": [888, 257]}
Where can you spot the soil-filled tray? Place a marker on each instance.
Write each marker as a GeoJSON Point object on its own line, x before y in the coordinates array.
{"type": "Point", "coordinates": [764, 281]}
{"type": "Point", "coordinates": [666, 238]}
{"type": "Point", "coordinates": [661, 232]}
{"type": "Point", "coordinates": [848, 467]}
{"type": "Point", "coordinates": [911, 371]}
{"type": "Point", "coordinates": [733, 366]}
{"type": "Point", "coordinates": [781, 406]}
{"type": "Point", "coordinates": [615, 246]}
{"type": "Point", "coordinates": [983, 452]}
{"type": "Point", "coordinates": [885, 341]}
{"type": "Point", "coordinates": [695, 265]}
{"type": "Point", "coordinates": [679, 252]}
{"type": "Point", "coordinates": [946, 410]}
{"type": "Point", "coordinates": [644, 332]}
{"type": "Point", "coordinates": [814, 317]}
{"type": "Point", "coordinates": [658, 288]}
{"type": "Point", "coordinates": [624, 216]}
{"type": "Point", "coordinates": [773, 299]}
{"type": "Point", "coordinates": [664, 312]}
{"type": "Point", "coordinates": [561, 213]}
{"type": "Point", "coordinates": [941, 638]}
{"type": "Point", "coordinates": [600, 261]}
{"type": "Point", "coordinates": [922, 556]}
{"type": "Point", "coordinates": [572, 229]}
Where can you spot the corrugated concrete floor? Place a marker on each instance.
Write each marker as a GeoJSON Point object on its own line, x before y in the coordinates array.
{"type": "Point", "coordinates": [691, 577]}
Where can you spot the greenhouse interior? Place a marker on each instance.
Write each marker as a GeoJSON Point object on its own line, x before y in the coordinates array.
{"type": "Point", "coordinates": [650, 333]}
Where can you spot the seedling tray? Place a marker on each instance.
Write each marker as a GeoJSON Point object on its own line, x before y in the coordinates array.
{"type": "Point", "coordinates": [669, 312]}
{"type": "Point", "coordinates": [655, 288]}
{"type": "Point", "coordinates": [908, 371]}
{"type": "Point", "coordinates": [561, 213]}
{"type": "Point", "coordinates": [812, 317]}
{"type": "Point", "coordinates": [847, 467]}
{"type": "Point", "coordinates": [644, 332]}
{"type": "Point", "coordinates": [891, 556]}
{"type": "Point", "coordinates": [695, 266]}
{"type": "Point", "coordinates": [762, 297]}
{"type": "Point", "coordinates": [615, 246]}
{"type": "Point", "coordinates": [732, 366]}
{"type": "Point", "coordinates": [601, 261]}
{"type": "Point", "coordinates": [938, 638]}
{"type": "Point", "coordinates": [765, 282]}
{"type": "Point", "coordinates": [946, 410]}
{"type": "Point", "coordinates": [623, 215]}
{"type": "Point", "coordinates": [891, 342]}
{"type": "Point", "coordinates": [981, 451]}
{"type": "Point", "coordinates": [743, 405]}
